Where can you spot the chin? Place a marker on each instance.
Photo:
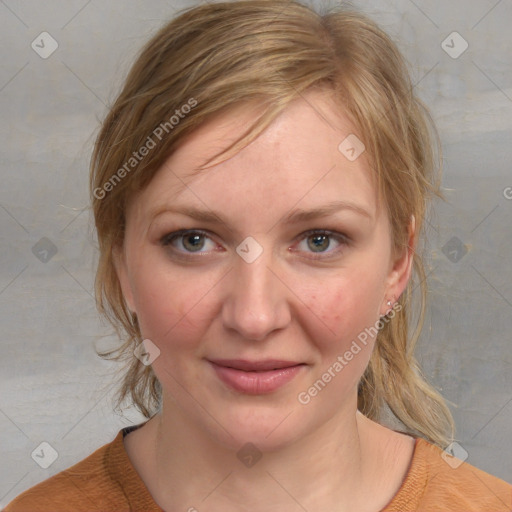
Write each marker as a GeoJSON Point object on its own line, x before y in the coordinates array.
{"type": "Point", "coordinates": [267, 428]}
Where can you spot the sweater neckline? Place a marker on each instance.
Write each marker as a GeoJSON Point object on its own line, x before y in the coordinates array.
{"type": "Point", "coordinates": [414, 482]}
{"type": "Point", "coordinates": [123, 472]}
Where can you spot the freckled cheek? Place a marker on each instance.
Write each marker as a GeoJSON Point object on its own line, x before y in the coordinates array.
{"type": "Point", "coordinates": [343, 311]}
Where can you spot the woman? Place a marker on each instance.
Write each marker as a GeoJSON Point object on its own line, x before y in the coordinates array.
{"type": "Point", "coordinates": [259, 190]}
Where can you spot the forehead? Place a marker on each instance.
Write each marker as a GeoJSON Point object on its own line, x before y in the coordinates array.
{"type": "Point", "coordinates": [296, 160]}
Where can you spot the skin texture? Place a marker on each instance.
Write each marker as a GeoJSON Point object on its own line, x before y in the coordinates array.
{"type": "Point", "coordinates": [297, 301]}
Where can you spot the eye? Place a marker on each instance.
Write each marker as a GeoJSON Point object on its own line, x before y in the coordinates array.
{"type": "Point", "coordinates": [191, 241]}
{"type": "Point", "coordinates": [319, 240]}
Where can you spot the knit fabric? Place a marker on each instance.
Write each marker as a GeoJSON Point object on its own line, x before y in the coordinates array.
{"type": "Point", "coordinates": [106, 481]}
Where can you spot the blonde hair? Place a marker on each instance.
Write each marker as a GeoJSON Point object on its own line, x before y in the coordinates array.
{"type": "Point", "coordinates": [221, 55]}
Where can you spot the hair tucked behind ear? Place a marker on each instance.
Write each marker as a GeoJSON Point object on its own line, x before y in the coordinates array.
{"type": "Point", "coordinates": [220, 55]}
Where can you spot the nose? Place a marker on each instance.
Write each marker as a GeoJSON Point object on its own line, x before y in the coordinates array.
{"type": "Point", "coordinates": [256, 301]}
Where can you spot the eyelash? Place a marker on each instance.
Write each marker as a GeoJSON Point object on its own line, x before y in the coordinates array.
{"type": "Point", "coordinates": [340, 237]}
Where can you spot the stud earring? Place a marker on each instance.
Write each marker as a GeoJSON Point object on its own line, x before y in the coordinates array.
{"type": "Point", "coordinates": [390, 305]}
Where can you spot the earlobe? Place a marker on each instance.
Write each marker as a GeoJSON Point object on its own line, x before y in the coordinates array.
{"type": "Point", "coordinates": [119, 260]}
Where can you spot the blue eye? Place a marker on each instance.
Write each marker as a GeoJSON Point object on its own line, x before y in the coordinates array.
{"type": "Point", "coordinates": [193, 241]}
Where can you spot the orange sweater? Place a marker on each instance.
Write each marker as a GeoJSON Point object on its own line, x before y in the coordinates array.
{"type": "Point", "coordinates": [107, 481]}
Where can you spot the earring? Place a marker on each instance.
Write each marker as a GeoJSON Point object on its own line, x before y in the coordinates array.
{"type": "Point", "coordinates": [389, 304]}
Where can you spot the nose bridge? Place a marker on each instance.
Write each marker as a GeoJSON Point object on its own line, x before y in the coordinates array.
{"type": "Point", "coordinates": [255, 304]}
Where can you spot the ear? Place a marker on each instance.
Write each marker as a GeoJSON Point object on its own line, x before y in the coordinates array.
{"type": "Point", "coordinates": [400, 269]}
{"type": "Point", "coordinates": [119, 259]}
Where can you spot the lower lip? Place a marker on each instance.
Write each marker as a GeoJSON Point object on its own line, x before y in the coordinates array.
{"type": "Point", "coordinates": [256, 383]}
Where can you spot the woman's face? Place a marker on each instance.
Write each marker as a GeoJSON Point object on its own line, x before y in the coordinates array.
{"type": "Point", "coordinates": [250, 283]}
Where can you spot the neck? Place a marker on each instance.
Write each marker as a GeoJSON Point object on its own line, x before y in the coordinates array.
{"type": "Point", "coordinates": [331, 468]}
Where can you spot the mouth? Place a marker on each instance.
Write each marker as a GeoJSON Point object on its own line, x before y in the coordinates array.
{"type": "Point", "coordinates": [256, 377]}
{"type": "Point", "coordinates": [255, 366]}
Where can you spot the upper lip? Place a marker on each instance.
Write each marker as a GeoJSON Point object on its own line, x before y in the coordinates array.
{"type": "Point", "coordinates": [242, 364]}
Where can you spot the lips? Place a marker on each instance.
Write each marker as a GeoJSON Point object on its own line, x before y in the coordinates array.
{"type": "Point", "coordinates": [255, 377]}
{"type": "Point", "coordinates": [254, 366]}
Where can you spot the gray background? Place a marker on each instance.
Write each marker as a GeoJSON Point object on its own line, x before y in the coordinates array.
{"type": "Point", "coordinates": [53, 386]}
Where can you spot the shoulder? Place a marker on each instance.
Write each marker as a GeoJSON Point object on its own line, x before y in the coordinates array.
{"type": "Point", "coordinates": [86, 486]}
{"type": "Point", "coordinates": [437, 481]}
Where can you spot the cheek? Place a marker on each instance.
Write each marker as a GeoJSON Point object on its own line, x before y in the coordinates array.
{"type": "Point", "coordinates": [171, 307]}
{"type": "Point", "coordinates": [345, 342]}
{"type": "Point", "coordinates": [344, 308]}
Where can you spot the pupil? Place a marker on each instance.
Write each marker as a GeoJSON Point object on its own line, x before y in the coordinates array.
{"type": "Point", "coordinates": [321, 238]}
{"type": "Point", "coordinates": [195, 239]}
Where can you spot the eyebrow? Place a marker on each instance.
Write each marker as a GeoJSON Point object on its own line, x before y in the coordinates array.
{"type": "Point", "coordinates": [293, 217]}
